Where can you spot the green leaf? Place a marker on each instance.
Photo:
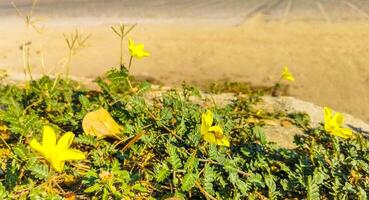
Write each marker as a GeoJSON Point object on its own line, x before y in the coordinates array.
{"type": "Point", "coordinates": [191, 163]}
{"type": "Point", "coordinates": [313, 187]}
{"type": "Point", "coordinates": [189, 181]}
{"type": "Point", "coordinates": [86, 140]}
{"type": "Point", "coordinates": [209, 177]}
{"type": "Point", "coordinates": [3, 192]}
{"type": "Point", "coordinates": [259, 132]}
{"type": "Point", "coordinates": [361, 194]}
{"type": "Point", "coordinates": [272, 194]}
{"type": "Point", "coordinates": [174, 160]}
{"type": "Point", "coordinates": [243, 187]}
{"type": "Point", "coordinates": [21, 151]}
{"type": "Point", "coordinates": [93, 188]}
{"type": "Point", "coordinates": [84, 102]}
{"type": "Point", "coordinates": [162, 172]}
{"type": "Point", "coordinates": [139, 188]}
{"type": "Point", "coordinates": [39, 171]}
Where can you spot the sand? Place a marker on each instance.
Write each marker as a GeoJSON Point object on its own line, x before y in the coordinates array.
{"type": "Point", "coordinates": [329, 58]}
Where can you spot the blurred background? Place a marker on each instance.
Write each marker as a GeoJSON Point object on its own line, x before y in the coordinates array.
{"type": "Point", "coordinates": [325, 43]}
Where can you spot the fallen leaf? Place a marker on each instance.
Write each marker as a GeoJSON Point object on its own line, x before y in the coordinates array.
{"type": "Point", "coordinates": [101, 124]}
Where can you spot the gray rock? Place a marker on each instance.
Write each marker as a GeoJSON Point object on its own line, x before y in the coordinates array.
{"type": "Point", "coordinates": [283, 135]}
{"type": "Point", "coordinates": [291, 104]}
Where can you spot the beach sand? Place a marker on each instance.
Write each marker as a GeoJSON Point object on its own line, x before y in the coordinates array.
{"type": "Point", "coordinates": [329, 59]}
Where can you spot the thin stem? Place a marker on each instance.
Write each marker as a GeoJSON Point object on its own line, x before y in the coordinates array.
{"type": "Point", "coordinates": [129, 83]}
{"type": "Point", "coordinates": [24, 61]}
{"type": "Point", "coordinates": [121, 44]}
{"type": "Point", "coordinates": [42, 62]}
{"type": "Point", "coordinates": [28, 64]}
{"type": "Point", "coordinates": [129, 68]}
{"type": "Point", "coordinates": [121, 51]}
{"type": "Point", "coordinates": [132, 141]}
{"type": "Point", "coordinates": [203, 191]}
{"type": "Point", "coordinates": [130, 63]}
{"type": "Point", "coordinates": [69, 63]}
{"type": "Point", "coordinates": [6, 144]}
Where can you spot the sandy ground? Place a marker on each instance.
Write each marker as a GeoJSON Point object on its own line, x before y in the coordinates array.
{"type": "Point", "coordinates": [329, 58]}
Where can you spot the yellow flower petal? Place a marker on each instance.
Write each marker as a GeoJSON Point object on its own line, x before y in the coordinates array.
{"type": "Point", "coordinates": [48, 137]}
{"type": "Point", "coordinates": [224, 141]}
{"type": "Point", "coordinates": [287, 75]}
{"type": "Point", "coordinates": [209, 137]}
{"type": "Point", "coordinates": [333, 124]}
{"type": "Point", "coordinates": [338, 119]}
{"type": "Point", "coordinates": [56, 153]}
{"type": "Point", "coordinates": [342, 132]}
{"type": "Point", "coordinates": [58, 165]}
{"type": "Point", "coordinates": [204, 129]}
{"type": "Point", "coordinates": [327, 113]}
{"type": "Point", "coordinates": [207, 118]}
{"type": "Point", "coordinates": [220, 138]}
{"type": "Point", "coordinates": [217, 130]}
{"type": "Point", "coordinates": [347, 132]}
{"type": "Point", "coordinates": [71, 154]}
{"type": "Point", "coordinates": [65, 141]}
{"type": "Point", "coordinates": [137, 50]}
{"type": "Point", "coordinates": [130, 42]}
{"type": "Point", "coordinates": [36, 146]}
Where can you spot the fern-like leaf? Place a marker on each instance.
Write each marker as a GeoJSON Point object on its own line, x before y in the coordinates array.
{"type": "Point", "coordinates": [174, 159]}
{"type": "Point", "coordinates": [189, 181]}
{"type": "Point", "coordinates": [161, 172]}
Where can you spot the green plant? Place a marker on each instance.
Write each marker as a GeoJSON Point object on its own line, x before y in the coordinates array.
{"type": "Point", "coordinates": [162, 152]}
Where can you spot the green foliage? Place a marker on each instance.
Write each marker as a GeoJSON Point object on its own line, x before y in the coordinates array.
{"type": "Point", "coordinates": [173, 159]}
{"type": "Point", "coordinates": [39, 171]}
{"type": "Point", "coordinates": [188, 181]}
{"type": "Point", "coordinates": [170, 158]}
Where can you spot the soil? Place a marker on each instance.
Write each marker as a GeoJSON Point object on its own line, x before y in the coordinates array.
{"type": "Point", "coordinates": [325, 46]}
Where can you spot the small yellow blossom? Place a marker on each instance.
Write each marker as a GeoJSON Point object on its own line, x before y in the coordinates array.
{"type": "Point", "coordinates": [56, 153]}
{"type": "Point", "coordinates": [106, 176]}
{"type": "Point", "coordinates": [3, 128]}
{"type": "Point", "coordinates": [287, 75]}
{"type": "Point", "coordinates": [333, 124]}
{"type": "Point", "coordinates": [101, 124]}
{"type": "Point", "coordinates": [212, 134]}
{"type": "Point", "coordinates": [137, 50]}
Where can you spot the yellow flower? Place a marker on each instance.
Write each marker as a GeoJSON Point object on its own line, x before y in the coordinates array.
{"type": "Point", "coordinates": [137, 50]}
{"type": "Point", "coordinates": [333, 124]}
{"type": "Point", "coordinates": [287, 75]}
{"type": "Point", "coordinates": [212, 134]}
{"type": "Point", "coordinates": [101, 124]}
{"type": "Point", "coordinates": [56, 153]}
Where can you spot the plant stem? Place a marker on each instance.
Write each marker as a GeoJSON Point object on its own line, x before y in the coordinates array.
{"type": "Point", "coordinates": [121, 47]}
{"type": "Point", "coordinates": [6, 144]}
{"type": "Point", "coordinates": [203, 191]}
{"type": "Point", "coordinates": [129, 83]}
{"type": "Point", "coordinates": [24, 60]}
{"type": "Point", "coordinates": [28, 65]}
{"type": "Point", "coordinates": [69, 63]}
{"type": "Point", "coordinates": [130, 63]}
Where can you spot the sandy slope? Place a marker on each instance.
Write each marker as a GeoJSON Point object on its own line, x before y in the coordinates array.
{"type": "Point", "coordinates": [330, 59]}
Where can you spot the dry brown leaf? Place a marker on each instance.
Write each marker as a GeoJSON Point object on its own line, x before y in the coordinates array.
{"type": "Point", "coordinates": [101, 124]}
